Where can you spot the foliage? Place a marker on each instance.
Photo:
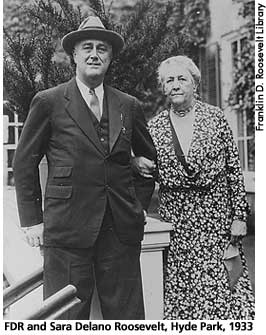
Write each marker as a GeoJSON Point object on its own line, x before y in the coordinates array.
{"type": "Point", "coordinates": [15, 18]}
{"type": "Point", "coordinates": [29, 64]}
{"type": "Point", "coordinates": [34, 60]}
{"type": "Point", "coordinates": [242, 94]}
{"type": "Point", "coordinates": [191, 19]}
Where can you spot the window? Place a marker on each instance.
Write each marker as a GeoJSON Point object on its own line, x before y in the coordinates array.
{"type": "Point", "coordinates": [245, 129]}
{"type": "Point", "coordinates": [209, 64]}
{"type": "Point", "coordinates": [245, 141]}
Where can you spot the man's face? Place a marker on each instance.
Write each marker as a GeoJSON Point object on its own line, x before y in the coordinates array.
{"type": "Point", "coordinates": [178, 85]}
{"type": "Point", "coordinates": [92, 58]}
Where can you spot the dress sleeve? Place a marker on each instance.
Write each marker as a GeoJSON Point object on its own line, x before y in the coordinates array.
{"type": "Point", "coordinates": [235, 178]}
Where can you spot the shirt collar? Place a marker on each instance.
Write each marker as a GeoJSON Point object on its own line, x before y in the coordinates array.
{"type": "Point", "coordinates": [99, 91]}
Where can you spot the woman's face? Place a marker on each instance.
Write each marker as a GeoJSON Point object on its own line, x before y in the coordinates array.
{"type": "Point", "coordinates": [178, 86]}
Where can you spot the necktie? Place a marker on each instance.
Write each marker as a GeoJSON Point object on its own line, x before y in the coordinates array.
{"type": "Point", "coordinates": [94, 104]}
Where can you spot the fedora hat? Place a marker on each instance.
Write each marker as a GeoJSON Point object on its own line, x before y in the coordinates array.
{"type": "Point", "coordinates": [92, 28]}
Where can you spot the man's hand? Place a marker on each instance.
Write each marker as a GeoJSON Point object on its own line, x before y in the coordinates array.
{"type": "Point", "coordinates": [34, 235]}
{"type": "Point", "coordinates": [238, 230]}
{"type": "Point", "coordinates": [144, 166]}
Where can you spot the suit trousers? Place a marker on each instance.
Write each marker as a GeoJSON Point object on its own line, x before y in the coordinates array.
{"type": "Point", "coordinates": [113, 266]}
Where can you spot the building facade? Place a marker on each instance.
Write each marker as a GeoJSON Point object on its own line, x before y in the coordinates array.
{"type": "Point", "coordinates": [228, 33]}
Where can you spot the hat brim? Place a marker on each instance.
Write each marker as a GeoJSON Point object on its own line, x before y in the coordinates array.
{"type": "Point", "coordinates": [70, 39]}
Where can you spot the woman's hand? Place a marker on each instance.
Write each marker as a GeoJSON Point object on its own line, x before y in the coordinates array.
{"type": "Point", "coordinates": [144, 166]}
{"type": "Point", "coordinates": [238, 230]}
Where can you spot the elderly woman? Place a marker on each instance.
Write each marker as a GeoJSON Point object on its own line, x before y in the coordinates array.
{"type": "Point", "coordinates": [201, 192]}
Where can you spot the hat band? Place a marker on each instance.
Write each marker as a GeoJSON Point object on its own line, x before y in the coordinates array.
{"type": "Point", "coordinates": [93, 27]}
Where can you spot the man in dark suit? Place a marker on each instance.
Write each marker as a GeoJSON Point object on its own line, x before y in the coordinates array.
{"type": "Point", "coordinates": [93, 219]}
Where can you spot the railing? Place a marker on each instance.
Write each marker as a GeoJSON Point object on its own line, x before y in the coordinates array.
{"type": "Point", "coordinates": [54, 306]}
{"type": "Point", "coordinates": [17, 291]}
{"type": "Point", "coordinates": [51, 308]}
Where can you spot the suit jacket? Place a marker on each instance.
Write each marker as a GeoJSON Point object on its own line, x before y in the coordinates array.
{"type": "Point", "coordinates": [81, 176]}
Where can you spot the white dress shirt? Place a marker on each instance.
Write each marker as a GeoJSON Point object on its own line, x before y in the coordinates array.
{"type": "Point", "coordinates": [85, 92]}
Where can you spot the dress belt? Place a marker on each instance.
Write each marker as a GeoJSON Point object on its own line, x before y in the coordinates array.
{"type": "Point", "coordinates": [205, 188]}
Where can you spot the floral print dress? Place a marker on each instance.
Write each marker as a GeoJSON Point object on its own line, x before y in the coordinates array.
{"type": "Point", "coordinates": [201, 207]}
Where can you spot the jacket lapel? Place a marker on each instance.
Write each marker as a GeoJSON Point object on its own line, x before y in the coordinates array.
{"type": "Point", "coordinates": [115, 115]}
{"type": "Point", "coordinates": [78, 110]}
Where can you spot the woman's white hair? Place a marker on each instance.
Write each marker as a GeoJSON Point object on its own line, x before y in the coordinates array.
{"type": "Point", "coordinates": [183, 61]}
